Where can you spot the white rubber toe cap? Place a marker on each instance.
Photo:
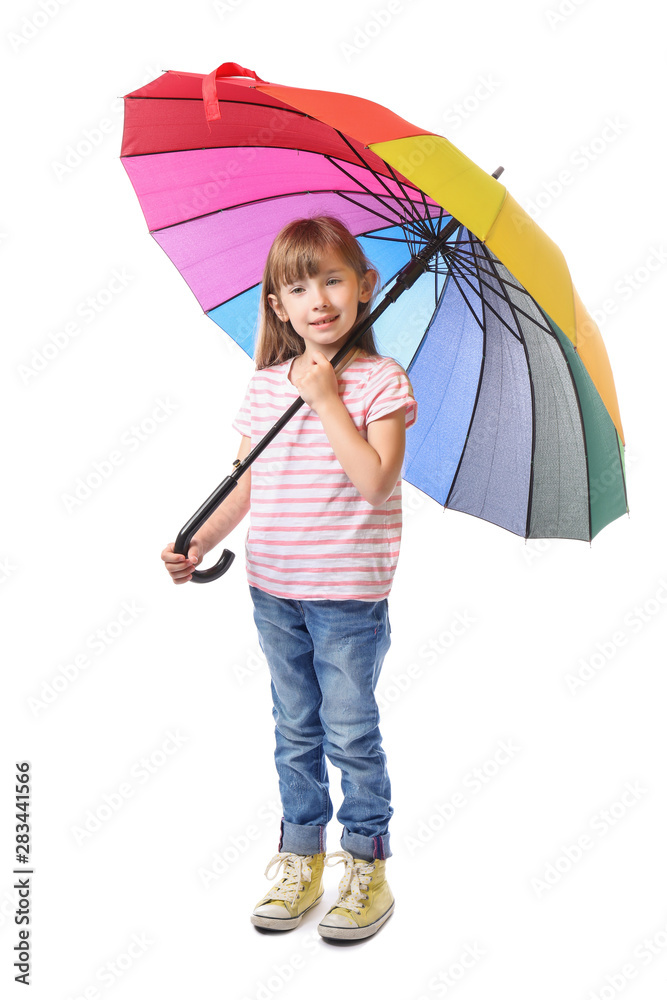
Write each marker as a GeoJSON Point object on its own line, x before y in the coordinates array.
{"type": "Point", "coordinates": [271, 910]}
{"type": "Point", "coordinates": [338, 920]}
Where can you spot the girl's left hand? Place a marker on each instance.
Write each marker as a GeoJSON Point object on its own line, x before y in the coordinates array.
{"type": "Point", "coordinates": [318, 384]}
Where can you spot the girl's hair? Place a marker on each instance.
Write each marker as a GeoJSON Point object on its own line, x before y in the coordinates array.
{"type": "Point", "coordinates": [296, 252]}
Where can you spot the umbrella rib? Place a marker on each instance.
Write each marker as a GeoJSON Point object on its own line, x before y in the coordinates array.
{"type": "Point", "coordinates": [288, 109]}
{"type": "Point", "coordinates": [360, 157]}
{"type": "Point", "coordinates": [371, 235]}
{"type": "Point", "coordinates": [450, 271]}
{"type": "Point", "coordinates": [400, 184]}
{"type": "Point", "coordinates": [428, 219]}
{"type": "Point", "coordinates": [258, 201]}
{"type": "Point", "coordinates": [488, 255]}
{"type": "Point", "coordinates": [538, 323]}
{"type": "Point", "coordinates": [504, 284]}
{"type": "Point", "coordinates": [464, 257]}
{"type": "Point", "coordinates": [392, 222]}
{"type": "Point", "coordinates": [231, 298]}
{"type": "Point", "coordinates": [358, 154]}
{"type": "Point", "coordinates": [465, 298]}
{"type": "Point", "coordinates": [404, 218]}
{"type": "Point", "coordinates": [474, 408]}
{"type": "Point", "coordinates": [486, 303]}
{"type": "Point", "coordinates": [459, 250]}
{"type": "Point", "coordinates": [491, 257]}
{"type": "Point", "coordinates": [446, 271]}
{"type": "Point", "coordinates": [357, 181]}
{"type": "Point", "coordinates": [435, 227]}
{"type": "Point", "coordinates": [360, 184]}
{"type": "Point", "coordinates": [429, 325]}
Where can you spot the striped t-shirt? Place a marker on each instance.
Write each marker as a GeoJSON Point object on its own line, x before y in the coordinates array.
{"type": "Point", "coordinates": [312, 536]}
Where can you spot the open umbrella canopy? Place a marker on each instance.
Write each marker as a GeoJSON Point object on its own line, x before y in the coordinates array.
{"type": "Point", "coordinates": [518, 417]}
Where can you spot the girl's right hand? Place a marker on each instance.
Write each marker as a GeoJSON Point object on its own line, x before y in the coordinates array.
{"type": "Point", "coordinates": [180, 568]}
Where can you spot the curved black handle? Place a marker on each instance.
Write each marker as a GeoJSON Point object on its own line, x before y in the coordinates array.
{"type": "Point", "coordinates": [184, 537]}
{"type": "Point", "coordinates": [214, 572]}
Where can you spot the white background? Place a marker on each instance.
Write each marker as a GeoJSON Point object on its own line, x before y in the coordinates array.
{"type": "Point", "coordinates": [536, 90]}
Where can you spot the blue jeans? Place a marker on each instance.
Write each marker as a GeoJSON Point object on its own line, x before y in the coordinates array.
{"type": "Point", "coordinates": [325, 658]}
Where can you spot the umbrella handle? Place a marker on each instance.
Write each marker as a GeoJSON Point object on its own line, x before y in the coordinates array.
{"type": "Point", "coordinates": [214, 572]}
{"type": "Point", "coordinates": [181, 546]}
{"type": "Point", "coordinates": [210, 91]}
{"type": "Point", "coordinates": [184, 537]}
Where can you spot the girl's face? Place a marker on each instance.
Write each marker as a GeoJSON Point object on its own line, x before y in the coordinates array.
{"type": "Point", "coordinates": [323, 308]}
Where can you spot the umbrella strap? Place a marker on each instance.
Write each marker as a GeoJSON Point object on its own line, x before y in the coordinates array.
{"type": "Point", "coordinates": [210, 91]}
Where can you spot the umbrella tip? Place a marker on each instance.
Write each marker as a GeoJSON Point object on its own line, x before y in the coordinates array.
{"type": "Point", "coordinates": [497, 172]}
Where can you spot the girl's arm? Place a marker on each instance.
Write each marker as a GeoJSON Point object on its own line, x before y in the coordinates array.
{"type": "Point", "coordinates": [231, 511]}
{"type": "Point", "coordinates": [374, 465]}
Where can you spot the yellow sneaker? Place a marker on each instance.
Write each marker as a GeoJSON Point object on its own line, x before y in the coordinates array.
{"type": "Point", "coordinates": [297, 891]}
{"type": "Point", "coordinates": [364, 902]}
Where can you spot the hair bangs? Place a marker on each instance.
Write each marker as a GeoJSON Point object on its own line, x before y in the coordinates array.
{"type": "Point", "coordinates": [301, 254]}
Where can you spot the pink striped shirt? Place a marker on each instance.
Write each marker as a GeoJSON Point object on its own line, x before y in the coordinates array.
{"type": "Point", "coordinates": [312, 536]}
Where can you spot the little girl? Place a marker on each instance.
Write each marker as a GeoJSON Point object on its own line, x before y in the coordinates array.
{"type": "Point", "coordinates": [321, 551]}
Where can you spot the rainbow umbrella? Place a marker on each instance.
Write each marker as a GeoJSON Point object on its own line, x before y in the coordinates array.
{"type": "Point", "coordinates": [518, 416]}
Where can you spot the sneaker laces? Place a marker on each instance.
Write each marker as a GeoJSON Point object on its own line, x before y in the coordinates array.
{"type": "Point", "coordinates": [296, 871]}
{"type": "Point", "coordinates": [354, 883]}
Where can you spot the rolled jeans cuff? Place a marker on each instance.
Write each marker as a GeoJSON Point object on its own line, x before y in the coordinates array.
{"type": "Point", "coordinates": [297, 838]}
{"type": "Point", "coordinates": [366, 848]}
